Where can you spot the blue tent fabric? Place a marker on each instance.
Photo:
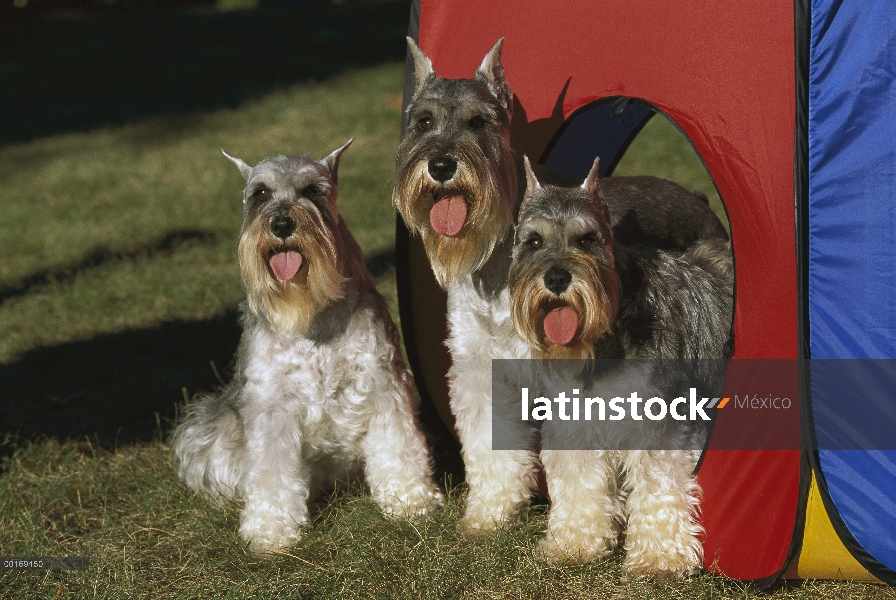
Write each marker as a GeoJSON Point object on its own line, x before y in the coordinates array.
{"type": "Point", "coordinates": [604, 128]}
{"type": "Point", "coordinates": [852, 241]}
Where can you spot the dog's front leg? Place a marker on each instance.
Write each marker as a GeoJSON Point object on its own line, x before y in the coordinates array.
{"type": "Point", "coordinates": [663, 531]}
{"type": "Point", "coordinates": [499, 482]}
{"type": "Point", "coordinates": [276, 482]}
{"type": "Point", "coordinates": [585, 507]}
{"type": "Point", "coordinates": [396, 459]}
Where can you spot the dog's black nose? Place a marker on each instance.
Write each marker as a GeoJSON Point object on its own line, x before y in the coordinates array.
{"type": "Point", "coordinates": [557, 280]}
{"type": "Point", "coordinates": [282, 226]}
{"type": "Point", "coordinates": [442, 169]}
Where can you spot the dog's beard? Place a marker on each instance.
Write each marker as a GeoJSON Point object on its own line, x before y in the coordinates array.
{"type": "Point", "coordinates": [593, 294]}
{"type": "Point", "coordinates": [290, 305]}
{"type": "Point", "coordinates": [488, 187]}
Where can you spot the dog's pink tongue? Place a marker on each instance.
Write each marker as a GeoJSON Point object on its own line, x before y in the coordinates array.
{"type": "Point", "coordinates": [560, 325]}
{"type": "Point", "coordinates": [286, 264]}
{"type": "Point", "coordinates": [448, 215]}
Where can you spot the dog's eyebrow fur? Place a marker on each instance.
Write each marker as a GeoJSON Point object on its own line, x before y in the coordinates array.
{"type": "Point", "coordinates": [472, 108]}
{"type": "Point", "coordinates": [304, 177]}
{"type": "Point", "coordinates": [534, 225]}
{"type": "Point", "coordinates": [257, 186]}
{"type": "Point", "coordinates": [578, 226]}
{"type": "Point", "coordinates": [479, 107]}
{"type": "Point", "coordinates": [426, 105]}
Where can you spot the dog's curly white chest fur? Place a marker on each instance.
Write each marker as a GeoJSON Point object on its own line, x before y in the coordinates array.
{"type": "Point", "coordinates": [327, 390]}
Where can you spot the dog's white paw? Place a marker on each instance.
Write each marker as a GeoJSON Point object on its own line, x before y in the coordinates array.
{"type": "Point", "coordinates": [268, 534]}
{"type": "Point", "coordinates": [579, 547]}
{"type": "Point", "coordinates": [477, 527]}
{"type": "Point", "coordinates": [481, 519]}
{"type": "Point", "coordinates": [416, 504]}
{"type": "Point", "coordinates": [662, 558]}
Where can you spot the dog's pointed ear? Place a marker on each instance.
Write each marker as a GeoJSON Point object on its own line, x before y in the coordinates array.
{"type": "Point", "coordinates": [591, 183]}
{"type": "Point", "coordinates": [592, 186]}
{"type": "Point", "coordinates": [422, 65]}
{"type": "Point", "coordinates": [245, 169]}
{"type": "Point", "coordinates": [493, 73]}
{"type": "Point", "coordinates": [532, 185]}
{"type": "Point", "coordinates": [332, 160]}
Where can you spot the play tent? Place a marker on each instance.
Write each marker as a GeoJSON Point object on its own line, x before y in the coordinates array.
{"type": "Point", "coordinates": [792, 108]}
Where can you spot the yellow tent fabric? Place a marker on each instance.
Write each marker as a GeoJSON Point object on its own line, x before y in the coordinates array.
{"type": "Point", "coordinates": [823, 555]}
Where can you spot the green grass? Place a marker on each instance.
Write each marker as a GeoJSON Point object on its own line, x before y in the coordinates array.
{"type": "Point", "coordinates": [149, 536]}
{"type": "Point", "coordinates": [120, 262]}
{"type": "Point", "coordinates": [119, 191]}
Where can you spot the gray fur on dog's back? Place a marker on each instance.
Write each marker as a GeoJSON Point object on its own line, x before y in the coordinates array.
{"type": "Point", "coordinates": [657, 212]}
{"type": "Point", "coordinates": [675, 305]}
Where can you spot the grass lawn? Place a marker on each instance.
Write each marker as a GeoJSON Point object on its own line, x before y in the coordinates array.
{"type": "Point", "coordinates": [118, 293]}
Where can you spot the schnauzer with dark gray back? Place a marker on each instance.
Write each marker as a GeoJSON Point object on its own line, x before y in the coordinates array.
{"type": "Point", "coordinates": [578, 294]}
{"type": "Point", "coordinates": [320, 392]}
{"type": "Point", "coordinates": [458, 186]}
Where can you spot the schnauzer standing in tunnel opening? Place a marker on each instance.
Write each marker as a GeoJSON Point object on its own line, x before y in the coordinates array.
{"type": "Point", "coordinates": [577, 294]}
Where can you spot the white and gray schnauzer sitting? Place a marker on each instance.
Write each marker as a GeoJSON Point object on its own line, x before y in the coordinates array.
{"type": "Point", "coordinates": [578, 294]}
{"type": "Point", "coordinates": [320, 392]}
{"type": "Point", "coordinates": [459, 183]}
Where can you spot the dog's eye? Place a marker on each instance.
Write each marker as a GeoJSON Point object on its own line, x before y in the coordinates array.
{"type": "Point", "coordinates": [477, 122]}
{"type": "Point", "coordinates": [311, 191]}
{"type": "Point", "coordinates": [588, 241]}
{"type": "Point", "coordinates": [424, 123]}
{"type": "Point", "coordinates": [534, 242]}
{"type": "Point", "coordinates": [262, 194]}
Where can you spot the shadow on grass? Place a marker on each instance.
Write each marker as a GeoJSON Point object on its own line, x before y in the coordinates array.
{"type": "Point", "coordinates": [175, 240]}
{"type": "Point", "coordinates": [69, 71]}
{"type": "Point", "coordinates": [126, 387]}
{"type": "Point", "coordinates": [111, 387]}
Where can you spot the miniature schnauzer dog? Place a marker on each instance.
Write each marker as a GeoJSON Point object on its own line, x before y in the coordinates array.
{"type": "Point", "coordinates": [320, 392]}
{"type": "Point", "coordinates": [458, 185]}
{"type": "Point", "coordinates": [577, 294]}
